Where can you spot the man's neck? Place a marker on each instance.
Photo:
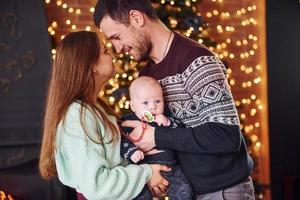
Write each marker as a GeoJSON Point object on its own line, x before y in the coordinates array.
{"type": "Point", "coordinates": [161, 39]}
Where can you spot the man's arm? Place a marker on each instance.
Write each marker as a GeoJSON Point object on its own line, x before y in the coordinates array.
{"type": "Point", "coordinates": [206, 138]}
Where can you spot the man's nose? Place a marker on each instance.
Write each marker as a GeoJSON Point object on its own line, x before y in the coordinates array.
{"type": "Point", "coordinates": [118, 47]}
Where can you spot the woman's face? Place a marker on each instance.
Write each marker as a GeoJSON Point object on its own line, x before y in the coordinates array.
{"type": "Point", "coordinates": [104, 68]}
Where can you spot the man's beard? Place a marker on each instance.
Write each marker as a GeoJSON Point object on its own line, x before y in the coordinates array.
{"type": "Point", "coordinates": [143, 47]}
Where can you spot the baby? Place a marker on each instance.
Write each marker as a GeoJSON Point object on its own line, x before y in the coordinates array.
{"type": "Point", "coordinates": [146, 101]}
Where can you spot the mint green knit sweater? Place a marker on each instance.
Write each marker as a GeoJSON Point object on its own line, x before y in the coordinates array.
{"type": "Point", "coordinates": [97, 171]}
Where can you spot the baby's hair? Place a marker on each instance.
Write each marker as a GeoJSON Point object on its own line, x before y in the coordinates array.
{"type": "Point", "coordinates": [142, 82]}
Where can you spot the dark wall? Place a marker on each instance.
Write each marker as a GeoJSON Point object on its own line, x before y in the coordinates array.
{"type": "Point", "coordinates": [25, 61]}
{"type": "Point", "coordinates": [283, 45]}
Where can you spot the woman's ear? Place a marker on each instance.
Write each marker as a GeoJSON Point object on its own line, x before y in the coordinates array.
{"type": "Point", "coordinates": [136, 18]}
{"type": "Point", "coordinates": [95, 72]}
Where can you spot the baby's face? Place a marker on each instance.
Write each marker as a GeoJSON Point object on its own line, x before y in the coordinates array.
{"type": "Point", "coordinates": [151, 100]}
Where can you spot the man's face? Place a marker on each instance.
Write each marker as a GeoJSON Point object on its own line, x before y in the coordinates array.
{"type": "Point", "coordinates": [126, 38]}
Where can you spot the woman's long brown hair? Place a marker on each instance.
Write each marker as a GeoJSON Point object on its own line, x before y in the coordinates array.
{"type": "Point", "coordinates": [72, 80]}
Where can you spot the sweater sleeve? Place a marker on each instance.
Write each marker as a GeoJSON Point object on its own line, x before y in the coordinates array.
{"type": "Point", "coordinates": [94, 169]}
{"type": "Point", "coordinates": [205, 104]}
{"type": "Point", "coordinates": [209, 138]}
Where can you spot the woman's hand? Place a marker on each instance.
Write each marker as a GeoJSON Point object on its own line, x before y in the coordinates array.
{"type": "Point", "coordinates": [158, 185]}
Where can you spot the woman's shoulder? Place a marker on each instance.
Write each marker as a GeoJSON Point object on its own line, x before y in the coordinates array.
{"type": "Point", "coordinates": [76, 109]}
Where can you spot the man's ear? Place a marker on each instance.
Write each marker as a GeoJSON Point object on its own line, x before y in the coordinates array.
{"type": "Point", "coordinates": [132, 106]}
{"type": "Point", "coordinates": [136, 18]}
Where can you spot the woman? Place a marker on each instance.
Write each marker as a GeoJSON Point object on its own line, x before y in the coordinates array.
{"type": "Point", "coordinates": [81, 141]}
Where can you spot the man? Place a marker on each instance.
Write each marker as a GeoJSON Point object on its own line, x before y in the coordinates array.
{"type": "Point", "coordinates": [211, 149]}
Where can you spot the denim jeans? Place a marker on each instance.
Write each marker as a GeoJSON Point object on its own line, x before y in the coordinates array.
{"type": "Point", "coordinates": [179, 187]}
{"type": "Point", "coordinates": [241, 191]}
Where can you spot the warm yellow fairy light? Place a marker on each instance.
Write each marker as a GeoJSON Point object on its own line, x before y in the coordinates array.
{"type": "Point", "coordinates": [64, 5]}
{"type": "Point", "coordinates": [68, 22]}
{"type": "Point", "coordinates": [172, 3]}
{"type": "Point", "coordinates": [173, 23]}
{"type": "Point", "coordinates": [54, 24]}
{"type": "Point", "coordinates": [187, 3]}
{"type": "Point", "coordinates": [111, 99]}
{"type": "Point", "coordinates": [215, 12]}
{"type": "Point", "coordinates": [48, 1]}
{"type": "Point", "coordinates": [71, 10]}
{"type": "Point", "coordinates": [92, 10]}
{"type": "Point", "coordinates": [208, 14]}
{"type": "Point", "coordinates": [78, 11]}
{"type": "Point", "coordinates": [243, 116]}
{"type": "Point", "coordinates": [243, 67]}
{"type": "Point", "coordinates": [258, 144]}
{"type": "Point", "coordinates": [74, 27]}
{"type": "Point", "coordinates": [58, 3]}
{"type": "Point", "coordinates": [254, 138]}
{"type": "Point", "coordinates": [253, 112]}
{"type": "Point", "coordinates": [52, 32]}
{"type": "Point", "coordinates": [53, 51]}
{"type": "Point", "coordinates": [88, 28]}
{"type": "Point", "coordinates": [258, 67]}
{"type": "Point", "coordinates": [62, 37]}
{"type": "Point", "coordinates": [253, 97]}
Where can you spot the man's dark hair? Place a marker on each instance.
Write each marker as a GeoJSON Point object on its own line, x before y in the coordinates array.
{"type": "Point", "coordinates": [119, 10]}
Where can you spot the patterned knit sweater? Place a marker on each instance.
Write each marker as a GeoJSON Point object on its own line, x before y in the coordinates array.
{"type": "Point", "coordinates": [211, 150]}
{"type": "Point", "coordinates": [95, 170]}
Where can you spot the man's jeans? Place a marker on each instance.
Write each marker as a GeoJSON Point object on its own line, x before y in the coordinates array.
{"type": "Point", "coordinates": [243, 191]}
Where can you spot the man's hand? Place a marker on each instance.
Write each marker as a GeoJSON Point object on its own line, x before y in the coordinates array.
{"type": "Point", "coordinates": [158, 185]}
{"type": "Point", "coordinates": [137, 156]}
{"type": "Point", "coordinates": [147, 142]}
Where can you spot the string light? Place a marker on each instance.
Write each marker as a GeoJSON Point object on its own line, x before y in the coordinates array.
{"type": "Point", "coordinates": [244, 47]}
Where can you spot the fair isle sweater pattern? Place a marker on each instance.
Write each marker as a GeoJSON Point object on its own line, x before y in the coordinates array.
{"type": "Point", "coordinates": [201, 94]}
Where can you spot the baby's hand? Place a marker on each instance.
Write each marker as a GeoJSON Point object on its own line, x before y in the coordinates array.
{"type": "Point", "coordinates": [137, 156]}
{"type": "Point", "coordinates": [162, 120]}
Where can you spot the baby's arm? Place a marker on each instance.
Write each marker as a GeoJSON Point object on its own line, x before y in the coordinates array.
{"type": "Point", "coordinates": [137, 156]}
{"type": "Point", "coordinates": [127, 147]}
{"type": "Point", "coordinates": [168, 121]}
{"type": "Point", "coordinates": [162, 120]}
